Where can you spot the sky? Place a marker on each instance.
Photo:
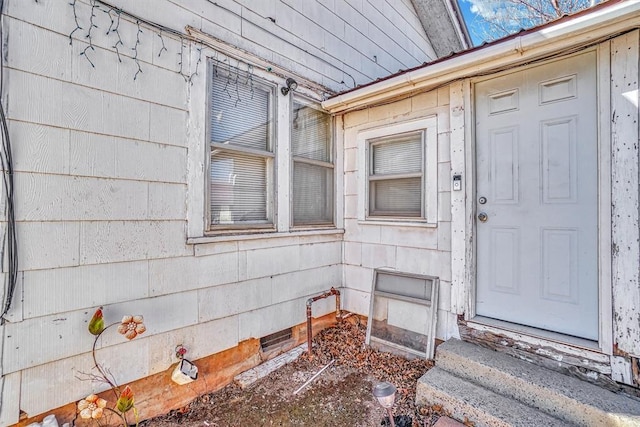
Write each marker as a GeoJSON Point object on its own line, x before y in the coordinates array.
{"type": "Point", "coordinates": [473, 9]}
{"type": "Point", "coordinates": [473, 24]}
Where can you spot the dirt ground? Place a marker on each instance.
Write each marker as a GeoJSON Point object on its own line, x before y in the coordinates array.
{"type": "Point", "coordinates": [340, 396]}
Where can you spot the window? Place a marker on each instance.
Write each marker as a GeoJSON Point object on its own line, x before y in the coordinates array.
{"type": "Point", "coordinates": [396, 166]}
{"type": "Point", "coordinates": [267, 170]}
{"type": "Point", "coordinates": [399, 173]}
{"type": "Point", "coordinates": [242, 150]}
{"type": "Point", "coordinates": [312, 166]}
{"type": "Point", "coordinates": [403, 312]}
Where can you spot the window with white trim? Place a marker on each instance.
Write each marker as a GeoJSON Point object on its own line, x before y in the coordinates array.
{"type": "Point", "coordinates": [400, 172]}
{"type": "Point", "coordinates": [312, 201]}
{"type": "Point", "coordinates": [396, 176]}
{"type": "Point", "coordinates": [242, 150]}
{"type": "Point", "coordinates": [260, 176]}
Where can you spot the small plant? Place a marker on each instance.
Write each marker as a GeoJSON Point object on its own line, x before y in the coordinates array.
{"type": "Point", "coordinates": [93, 407]}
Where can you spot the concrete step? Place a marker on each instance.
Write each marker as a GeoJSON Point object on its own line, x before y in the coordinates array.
{"type": "Point", "coordinates": [464, 400]}
{"type": "Point", "coordinates": [560, 395]}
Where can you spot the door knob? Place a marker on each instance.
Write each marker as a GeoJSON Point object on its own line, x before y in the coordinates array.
{"type": "Point", "coordinates": [483, 217]}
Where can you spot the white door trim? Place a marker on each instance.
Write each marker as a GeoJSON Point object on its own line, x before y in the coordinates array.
{"type": "Point", "coordinates": [603, 73]}
{"type": "Point", "coordinates": [463, 206]}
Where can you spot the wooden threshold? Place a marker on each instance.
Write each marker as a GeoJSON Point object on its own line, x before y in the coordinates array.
{"type": "Point", "coordinates": [579, 359]}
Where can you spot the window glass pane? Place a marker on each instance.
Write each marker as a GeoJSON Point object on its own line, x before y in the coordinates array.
{"type": "Point", "coordinates": [398, 155]}
{"type": "Point", "coordinates": [240, 109]}
{"type": "Point", "coordinates": [395, 196]}
{"type": "Point", "coordinates": [312, 194]}
{"type": "Point", "coordinates": [310, 133]}
{"type": "Point", "coordinates": [239, 188]}
{"type": "Point", "coordinates": [408, 286]}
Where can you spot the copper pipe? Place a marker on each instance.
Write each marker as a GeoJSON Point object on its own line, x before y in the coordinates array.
{"type": "Point", "coordinates": [332, 291]}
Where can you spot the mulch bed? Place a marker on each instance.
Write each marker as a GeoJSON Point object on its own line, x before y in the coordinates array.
{"type": "Point", "coordinates": [340, 396]}
{"type": "Point", "coordinates": [346, 344]}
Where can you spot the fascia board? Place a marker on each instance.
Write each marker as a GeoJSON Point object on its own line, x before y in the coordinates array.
{"type": "Point", "coordinates": [514, 51]}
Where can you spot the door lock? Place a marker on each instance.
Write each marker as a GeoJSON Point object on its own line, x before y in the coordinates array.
{"type": "Point", "coordinates": [483, 217]}
{"type": "Point", "coordinates": [482, 200]}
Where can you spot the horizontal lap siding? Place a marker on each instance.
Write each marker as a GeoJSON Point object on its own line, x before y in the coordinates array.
{"type": "Point", "coordinates": [410, 249]}
{"type": "Point", "coordinates": [101, 163]}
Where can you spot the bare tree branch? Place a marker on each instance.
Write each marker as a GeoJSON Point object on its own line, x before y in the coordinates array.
{"type": "Point", "coordinates": [495, 19]}
{"type": "Point", "coordinates": [536, 11]}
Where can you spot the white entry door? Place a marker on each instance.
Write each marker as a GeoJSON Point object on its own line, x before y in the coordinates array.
{"type": "Point", "coordinates": [536, 200]}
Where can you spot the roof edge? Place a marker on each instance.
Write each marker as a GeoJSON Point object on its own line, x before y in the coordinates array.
{"type": "Point", "coordinates": [461, 25]}
{"type": "Point", "coordinates": [442, 25]}
{"type": "Point", "coordinates": [544, 41]}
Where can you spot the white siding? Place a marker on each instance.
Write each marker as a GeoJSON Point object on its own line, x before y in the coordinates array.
{"type": "Point", "coordinates": [105, 170]}
{"type": "Point", "coordinates": [10, 402]}
{"type": "Point", "coordinates": [406, 248]}
{"type": "Point", "coordinates": [40, 393]}
{"type": "Point", "coordinates": [625, 199]}
{"type": "Point", "coordinates": [85, 287]}
{"type": "Point", "coordinates": [334, 40]}
{"type": "Point", "coordinates": [447, 249]}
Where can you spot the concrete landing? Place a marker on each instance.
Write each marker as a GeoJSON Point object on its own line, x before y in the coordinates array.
{"type": "Point", "coordinates": [468, 373]}
{"type": "Point", "coordinates": [466, 400]}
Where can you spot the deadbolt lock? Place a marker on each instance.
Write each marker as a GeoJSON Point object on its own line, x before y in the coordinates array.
{"type": "Point", "coordinates": [482, 200]}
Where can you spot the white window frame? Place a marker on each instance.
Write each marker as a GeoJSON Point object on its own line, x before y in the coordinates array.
{"type": "Point", "coordinates": [198, 158]}
{"type": "Point", "coordinates": [269, 155]}
{"type": "Point", "coordinates": [428, 127]}
{"type": "Point", "coordinates": [329, 165]}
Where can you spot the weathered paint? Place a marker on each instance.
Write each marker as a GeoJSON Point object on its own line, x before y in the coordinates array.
{"type": "Point", "coordinates": [604, 201]}
{"type": "Point", "coordinates": [625, 198]}
{"type": "Point", "coordinates": [216, 368]}
{"type": "Point", "coordinates": [406, 247]}
{"type": "Point", "coordinates": [553, 355]}
{"type": "Point", "coordinates": [618, 183]}
{"type": "Point", "coordinates": [459, 235]}
{"type": "Point", "coordinates": [110, 174]}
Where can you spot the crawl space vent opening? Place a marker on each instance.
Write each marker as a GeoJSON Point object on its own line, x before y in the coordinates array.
{"type": "Point", "coordinates": [274, 340]}
{"type": "Point", "coordinates": [403, 313]}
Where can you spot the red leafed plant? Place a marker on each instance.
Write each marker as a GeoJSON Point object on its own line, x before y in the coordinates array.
{"type": "Point", "coordinates": [93, 407]}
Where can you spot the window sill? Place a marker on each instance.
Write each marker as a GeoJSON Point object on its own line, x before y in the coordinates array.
{"type": "Point", "coordinates": [397, 223]}
{"type": "Point", "coordinates": [263, 235]}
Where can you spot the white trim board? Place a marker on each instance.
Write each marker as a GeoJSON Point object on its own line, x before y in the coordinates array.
{"type": "Point", "coordinates": [463, 210]}
{"type": "Point", "coordinates": [548, 41]}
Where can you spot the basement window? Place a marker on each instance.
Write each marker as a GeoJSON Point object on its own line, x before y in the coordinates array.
{"type": "Point", "coordinates": [275, 340]}
{"type": "Point", "coordinates": [403, 313]}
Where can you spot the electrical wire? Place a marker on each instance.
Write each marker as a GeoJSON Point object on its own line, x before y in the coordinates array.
{"type": "Point", "coordinates": [289, 42]}
{"type": "Point", "coordinates": [7, 178]}
{"type": "Point", "coordinates": [6, 162]}
{"type": "Point", "coordinates": [541, 59]}
{"type": "Point", "coordinates": [182, 35]}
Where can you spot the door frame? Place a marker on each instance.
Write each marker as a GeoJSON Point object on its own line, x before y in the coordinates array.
{"type": "Point", "coordinates": [463, 216]}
